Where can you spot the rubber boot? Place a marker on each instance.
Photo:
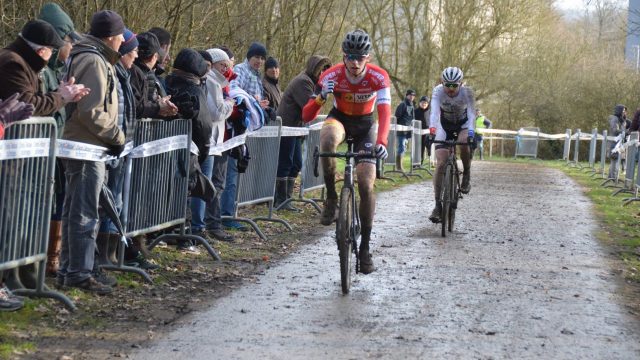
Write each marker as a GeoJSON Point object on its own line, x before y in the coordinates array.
{"type": "Point", "coordinates": [114, 240]}
{"type": "Point", "coordinates": [366, 261]}
{"type": "Point", "coordinates": [102, 249]}
{"type": "Point", "coordinates": [291, 183]}
{"type": "Point", "coordinates": [329, 212]}
{"type": "Point", "coordinates": [54, 248]}
{"type": "Point", "coordinates": [281, 192]}
{"type": "Point", "coordinates": [140, 243]}
{"type": "Point", "coordinates": [399, 163]}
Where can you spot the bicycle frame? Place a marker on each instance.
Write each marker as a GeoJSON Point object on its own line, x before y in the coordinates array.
{"type": "Point", "coordinates": [348, 189]}
{"type": "Point", "coordinates": [449, 200]}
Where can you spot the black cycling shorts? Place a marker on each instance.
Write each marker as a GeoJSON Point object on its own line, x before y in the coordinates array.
{"type": "Point", "coordinates": [452, 132]}
{"type": "Point", "coordinates": [361, 128]}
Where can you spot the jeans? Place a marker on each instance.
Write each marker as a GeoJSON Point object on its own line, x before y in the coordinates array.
{"type": "Point", "coordinates": [213, 214]}
{"type": "Point", "coordinates": [198, 206]}
{"type": "Point", "coordinates": [479, 145]}
{"type": "Point", "coordinates": [115, 183]}
{"type": "Point", "coordinates": [228, 197]}
{"type": "Point", "coordinates": [403, 140]}
{"type": "Point", "coordinates": [80, 218]}
{"type": "Point", "coordinates": [290, 158]}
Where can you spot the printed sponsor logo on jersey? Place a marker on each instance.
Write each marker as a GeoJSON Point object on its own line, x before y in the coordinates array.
{"type": "Point", "coordinates": [347, 97]}
{"type": "Point", "coordinates": [368, 145]}
{"type": "Point", "coordinates": [362, 98]}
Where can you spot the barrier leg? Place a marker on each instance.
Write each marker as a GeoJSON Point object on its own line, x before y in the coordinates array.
{"type": "Point", "coordinates": [252, 223]}
{"type": "Point", "coordinates": [120, 266]}
{"type": "Point", "coordinates": [42, 291]}
{"type": "Point", "coordinates": [196, 239]}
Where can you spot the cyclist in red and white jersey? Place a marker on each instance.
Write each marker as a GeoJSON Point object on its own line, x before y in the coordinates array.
{"type": "Point", "coordinates": [358, 89]}
{"type": "Point", "coordinates": [452, 117]}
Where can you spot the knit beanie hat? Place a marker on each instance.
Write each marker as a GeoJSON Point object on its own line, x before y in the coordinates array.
{"type": "Point", "coordinates": [41, 33]}
{"type": "Point", "coordinates": [227, 51]}
{"type": "Point", "coordinates": [218, 55]}
{"type": "Point", "coordinates": [256, 49]}
{"type": "Point", "coordinates": [148, 45]}
{"type": "Point", "coordinates": [130, 42]}
{"type": "Point", "coordinates": [54, 15]}
{"type": "Point", "coordinates": [410, 92]}
{"type": "Point", "coordinates": [271, 63]}
{"type": "Point", "coordinates": [106, 23]}
{"type": "Point", "coordinates": [424, 98]}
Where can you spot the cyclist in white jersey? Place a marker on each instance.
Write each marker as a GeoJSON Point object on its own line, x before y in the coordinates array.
{"type": "Point", "coordinates": [452, 115]}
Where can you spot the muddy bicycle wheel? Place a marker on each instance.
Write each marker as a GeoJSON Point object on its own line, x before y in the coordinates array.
{"type": "Point", "coordinates": [454, 201]}
{"type": "Point", "coordinates": [446, 197]}
{"type": "Point", "coordinates": [343, 236]}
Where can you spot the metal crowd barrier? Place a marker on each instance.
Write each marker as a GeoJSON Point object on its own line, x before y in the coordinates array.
{"type": "Point", "coordinates": [593, 143]}
{"type": "Point", "coordinates": [567, 146]}
{"type": "Point", "coordinates": [636, 187]}
{"type": "Point", "coordinates": [576, 150]}
{"type": "Point", "coordinates": [615, 165]}
{"type": "Point", "coordinates": [603, 155]}
{"type": "Point", "coordinates": [257, 184]}
{"type": "Point", "coordinates": [527, 145]}
{"type": "Point", "coordinates": [27, 161]}
{"type": "Point", "coordinates": [156, 185]}
{"type": "Point", "coordinates": [392, 149]}
{"type": "Point", "coordinates": [416, 149]}
{"type": "Point", "coordinates": [628, 184]}
{"type": "Point", "coordinates": [308, 181]}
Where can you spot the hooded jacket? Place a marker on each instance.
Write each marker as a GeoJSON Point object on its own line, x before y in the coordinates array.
{"type": "Point", "coordinates": [94, 119]}
{"type": "Point", "coordinates": [20, 66]}
{"type": "Point", "coordinates": [299, 90]}
{"type": "Point", "coordinates": [616, 122]}
{"type": "Point", "coordinates": [189, 93]}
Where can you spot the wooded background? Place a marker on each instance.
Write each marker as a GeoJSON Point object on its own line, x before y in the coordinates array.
{"type": "Point", "coordinates": [529, 64]}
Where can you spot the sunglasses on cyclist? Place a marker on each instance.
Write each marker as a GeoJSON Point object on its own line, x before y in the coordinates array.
{"type": "Point", "coordinates": [452, 85]}
{"type": "Point", "coordinates": [354, 57]}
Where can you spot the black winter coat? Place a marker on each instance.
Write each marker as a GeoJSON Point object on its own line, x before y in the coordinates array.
{"type": "Point", "coordinates": [189, 93]}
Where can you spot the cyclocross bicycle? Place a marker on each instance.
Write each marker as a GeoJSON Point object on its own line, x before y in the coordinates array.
{"type": "Point", "coordinates": [450, 185]}
{"type": "Point", "coordinates": [348, 223]}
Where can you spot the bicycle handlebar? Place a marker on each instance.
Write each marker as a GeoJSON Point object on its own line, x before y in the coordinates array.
{"type": "Point", "coordinates": [347, 155]}
{"type": "Point", "coordinates": [450, 142]}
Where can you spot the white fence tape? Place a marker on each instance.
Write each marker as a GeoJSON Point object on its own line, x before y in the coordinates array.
{"type": "Point", "coordinates": [24, 148]}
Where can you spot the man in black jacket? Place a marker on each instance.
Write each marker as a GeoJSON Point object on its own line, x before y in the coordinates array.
{"type": "Point", "coordinates": [186, 85]}
{"type": "Point", "coordinates": [404, 116]}
{"type": "Point", "coordinates": [151, 99]}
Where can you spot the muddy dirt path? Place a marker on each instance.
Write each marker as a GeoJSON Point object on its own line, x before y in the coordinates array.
{"type": "Point", "coordinates": [522, 277]}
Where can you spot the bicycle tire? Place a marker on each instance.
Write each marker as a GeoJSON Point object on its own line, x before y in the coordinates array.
{"type": "Point", "coordinates": [446, 198]}
{"type": "Point", "coordinates": [343, 236]}
{"type": "Point", "coordinates": [454, 201]}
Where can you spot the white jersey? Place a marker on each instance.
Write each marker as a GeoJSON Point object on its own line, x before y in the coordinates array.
{"type": "Point", "coordinates": [449, 113]}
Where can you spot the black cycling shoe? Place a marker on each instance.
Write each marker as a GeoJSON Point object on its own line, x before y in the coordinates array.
{"type": "Point", "coordinates": [366, 263]}
{"type": "Point", "coordinates": [465, 187]}
{"type": "Point", "coordinates": [435, 214]}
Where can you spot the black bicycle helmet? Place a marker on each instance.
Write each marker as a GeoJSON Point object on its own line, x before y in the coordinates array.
{"type": "Point", "coordinates": [356, 43]}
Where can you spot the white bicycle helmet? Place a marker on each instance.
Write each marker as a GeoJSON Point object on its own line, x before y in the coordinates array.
{"type": "Point", "coordinates": [452, 75]}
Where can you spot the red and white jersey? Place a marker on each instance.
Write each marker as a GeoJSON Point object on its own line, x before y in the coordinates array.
{"type": "Point", "coordinates": [362, 97]}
